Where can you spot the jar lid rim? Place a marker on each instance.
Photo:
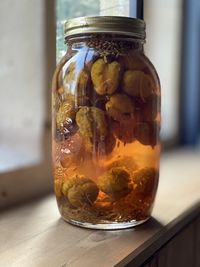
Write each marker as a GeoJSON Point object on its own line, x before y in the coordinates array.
{"type": "Point", "coordinates": [105, 24]}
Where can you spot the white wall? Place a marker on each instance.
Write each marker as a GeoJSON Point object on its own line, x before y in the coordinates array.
{"type": "Point", "coordinates": [163, 20]}
{"type": "Point", "coordinates": [22, 81]}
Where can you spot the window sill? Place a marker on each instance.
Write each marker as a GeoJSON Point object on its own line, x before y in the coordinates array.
{"type": "Point", "coordinates": [34, 235]}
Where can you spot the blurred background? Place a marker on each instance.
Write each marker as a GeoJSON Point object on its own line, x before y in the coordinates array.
{"type": "Point", "coordinates": [31, 42]}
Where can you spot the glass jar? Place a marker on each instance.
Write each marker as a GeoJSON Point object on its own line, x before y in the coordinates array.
{"type": "Point", "coordinates": [106, 122]}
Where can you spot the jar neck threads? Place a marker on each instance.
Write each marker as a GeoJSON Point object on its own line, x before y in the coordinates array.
{"type": "Point", "coordinates": [105, 45]}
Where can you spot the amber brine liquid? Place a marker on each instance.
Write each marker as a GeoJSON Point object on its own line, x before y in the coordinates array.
{"type": "Point", "coordinates": [106, 123]}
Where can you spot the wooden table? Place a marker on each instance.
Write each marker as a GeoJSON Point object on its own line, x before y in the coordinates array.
{"type": "Point", "coordinates": [33, 235]}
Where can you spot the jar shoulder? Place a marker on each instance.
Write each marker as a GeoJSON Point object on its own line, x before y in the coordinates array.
{"type": "Point", "coordinates": [87, 61]}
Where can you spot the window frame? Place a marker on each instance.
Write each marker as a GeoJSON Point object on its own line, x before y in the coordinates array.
{"type": "Point", "coordinates": [190, 83]}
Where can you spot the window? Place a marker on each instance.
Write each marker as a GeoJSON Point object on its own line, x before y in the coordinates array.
{"type": "Point", "coordinates": [66, 9]}
{"type": "Point", "coordinates": [27, 63]}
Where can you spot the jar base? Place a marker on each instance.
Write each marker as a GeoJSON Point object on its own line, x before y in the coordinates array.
{"type": "Point", "coordinates": [107, 226]}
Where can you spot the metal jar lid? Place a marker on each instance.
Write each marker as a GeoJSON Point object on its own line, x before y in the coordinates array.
{"type": "Point", "coordinates": [105, 24]}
